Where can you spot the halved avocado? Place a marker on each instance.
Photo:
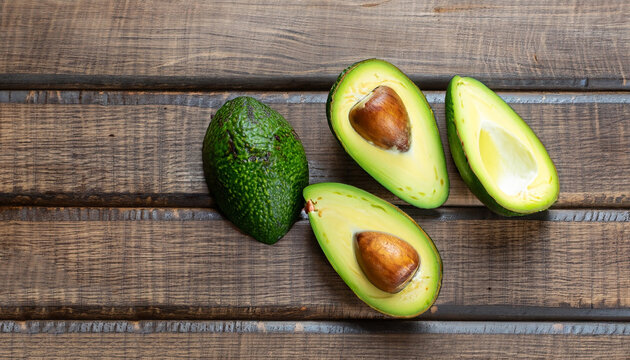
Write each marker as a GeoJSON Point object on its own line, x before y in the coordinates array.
{"type": "Point", "coordinates": [385, 124]}
{"type": "Point", "coordinates": [498, 156]}
{"type": "Point", "coordinates": [339, 214]}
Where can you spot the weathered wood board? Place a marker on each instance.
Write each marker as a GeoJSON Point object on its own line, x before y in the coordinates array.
{"type": "Point", "coordinates": [144, 149]}
{"type": "Point", "coordinates": [104, 212]}
{"type": "Point", "coordinates": [304, 44]}
{"type": "Point", "coordinates": [291, 340]}
{"type": "Point", "coordinates": [190, 263]}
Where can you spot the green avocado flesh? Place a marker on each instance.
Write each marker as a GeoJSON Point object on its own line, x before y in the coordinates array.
{"type": "Point", "coordinates": [255, 167]}
{"type": "Point", "coordinates": [339, 213]}
{"type": "Point", "coordinates": [498, 156]}
{"type": "Point", "coordinates": [418, 175]}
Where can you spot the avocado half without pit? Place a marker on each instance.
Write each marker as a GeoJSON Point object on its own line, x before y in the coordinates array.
{"type": "Point", "coordinates": [379, 251]}
{"type": "Point", "coordinates": [385, 124]}
{"type": "Point", "coordinates": [497, 154]}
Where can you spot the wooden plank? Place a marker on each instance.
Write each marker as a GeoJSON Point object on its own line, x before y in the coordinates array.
{"type": "Point", "coordinates": [290, 340]}
{"type": "Point", "coordinates": [189, 263]}
{"type": "Point", "coordinates": [80, 148]}
{"type": "Point", "coordinates": [259, 44]}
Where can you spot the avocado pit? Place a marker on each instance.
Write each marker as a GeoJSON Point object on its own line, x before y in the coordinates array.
{"type": "Point", "coordinates": [382, 119]}
{"type": "Point", "coordinates": [386, 260]}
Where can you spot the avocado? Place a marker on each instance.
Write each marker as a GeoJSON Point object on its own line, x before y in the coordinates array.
{"type": "Point", "coordinates": [384, 122]}
{"type": "Point", "coordinates": [379, 251]}
{"type": "Point", "coordinates": [255, 167]}
{"type": "Point", "coordinates": [498, 156]}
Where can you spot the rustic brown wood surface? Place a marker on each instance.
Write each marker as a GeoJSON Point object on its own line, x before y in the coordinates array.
{"type": "Point", "coordinates": [105, 215]}
{"type": "Point", "coordinates": [293, 346]}
{"type": "Point", "coordinates": [143, 149]}
{"type": "Point", "coordinates": [291, 340]}
{"type": "Point", "coordinates": [261, 44]}
{"type": "Point", "coordinates": [174, 263]}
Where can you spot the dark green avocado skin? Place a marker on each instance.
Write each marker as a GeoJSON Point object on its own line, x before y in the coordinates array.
{"type": "Point", "coordinates": [461, 162]}
{"type": "Point", "coordinates": [255, 167]}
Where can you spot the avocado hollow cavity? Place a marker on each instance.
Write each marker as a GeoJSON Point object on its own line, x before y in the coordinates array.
{"type": "Point", "coordinates": [506, 159]}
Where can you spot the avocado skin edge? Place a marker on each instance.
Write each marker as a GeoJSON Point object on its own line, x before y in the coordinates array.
{"type": "Point", "coordinates": [461, 161]}
{"type": "Point", "coordinates": [255, 167]}
{"type": "Point", "coordinates": [332, 92]}
{"type": "Point", "coordinates": [439, 258]}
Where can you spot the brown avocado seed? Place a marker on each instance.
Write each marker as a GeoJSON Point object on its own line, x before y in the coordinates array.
{"type": "Point", "coordinates": [381, 118]}
{"type": "Point", "coordinates": [386, 260]}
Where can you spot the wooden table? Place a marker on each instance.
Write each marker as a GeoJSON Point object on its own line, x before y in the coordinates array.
{"type": "Point", "coordinates": [110, 243]}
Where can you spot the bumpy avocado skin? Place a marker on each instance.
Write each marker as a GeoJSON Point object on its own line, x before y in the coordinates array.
{"type": "Point", "coordinates": [461, 162]}
{"type": "Point", "coordinates": [255, 167]}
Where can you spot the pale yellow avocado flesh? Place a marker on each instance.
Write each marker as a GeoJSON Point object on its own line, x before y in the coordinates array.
{"type": "Point", "coordinates": [340, 212]}
{"type": "Point", "coordinates": [506, 156]}
{"type": "Point", "coordinates": [418, 175]}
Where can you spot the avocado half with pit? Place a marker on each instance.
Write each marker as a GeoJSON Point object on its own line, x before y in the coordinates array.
{"type": "Point", "coordinates": [497, 154]}
{"type": "Point", "coordinates": [379, 251]}
{"type": "Point", "coordinates": [385, 124]}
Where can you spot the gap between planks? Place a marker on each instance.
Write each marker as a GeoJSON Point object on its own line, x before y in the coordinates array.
{"type": "Point", "coordinates": [317, 327]}
{"type": "Point", "coordinates": [40, 214]}
{"type": "Point", "coordinates": [276, 313]}
{"type": "Point", "coordinates": [70, 82]}
{"type": "Point", "coordinates": [212, 99]}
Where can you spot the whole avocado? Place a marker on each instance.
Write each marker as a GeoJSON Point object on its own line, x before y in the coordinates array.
{"type": "Point", "coordinates": [255, 167]}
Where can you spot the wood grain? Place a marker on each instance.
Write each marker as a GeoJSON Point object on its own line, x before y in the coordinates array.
{"type": "Point", "coordinates": [259, 44]}
{"type": "Point", "coordinates": [179, 263]}
{"type": "Point", "coordinates": [290, 340]}
{"type": "Point", "coordinates": [80, 148]}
